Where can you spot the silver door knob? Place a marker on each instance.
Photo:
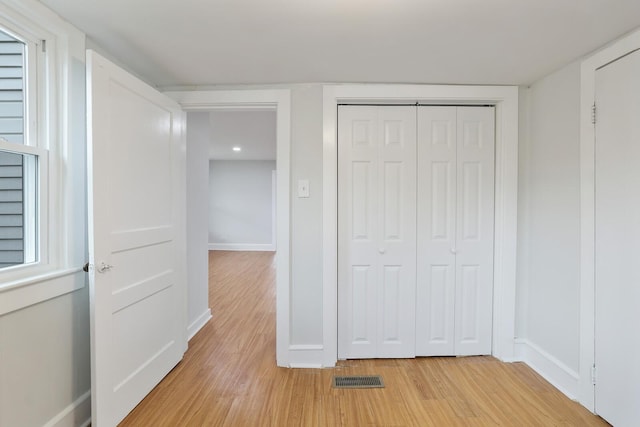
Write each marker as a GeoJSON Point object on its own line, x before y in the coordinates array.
{"type": "Point", "coordinates": [382, 250]}
{"type": "Point", "coordinates": [103, 268]}
{"type": "Point", "coordinates": [453, 251]}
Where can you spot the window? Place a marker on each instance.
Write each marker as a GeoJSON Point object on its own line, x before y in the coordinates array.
{"type": "Point", "coordinates": [42, 155]}
{"type": "Point", "coordinates": [21, 154]}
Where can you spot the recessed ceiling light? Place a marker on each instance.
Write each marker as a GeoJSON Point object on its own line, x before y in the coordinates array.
{"type": "Point", "coordinates": [236, 149]}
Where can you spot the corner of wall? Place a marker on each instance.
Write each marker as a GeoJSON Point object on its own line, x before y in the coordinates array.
{"type": "Point", "coordinates": [198, 323]}
{"type": "Point", "coordinates": [548, 173]}
{"type": "Point", "coordinates": [548, 367]}
{"type": "Point", "coordinates": [523, 249]}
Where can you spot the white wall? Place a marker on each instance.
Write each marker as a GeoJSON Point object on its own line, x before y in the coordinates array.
{"type": "Point", "coordinates": [253, 131]}
{"type": "Point", "coordinates": [240, 204]}
{"type": "Point", "coordinates": [549, 226]}
{"type": "Point", "coordinates": [198, 311]}
{"type": "Point", "coordinates": [44, 362]}
{"type": "Point", "coordinates": [306, 216]}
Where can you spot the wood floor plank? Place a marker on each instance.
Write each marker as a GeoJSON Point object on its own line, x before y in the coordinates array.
{"type": "Point", "coordinates": [229, 376]}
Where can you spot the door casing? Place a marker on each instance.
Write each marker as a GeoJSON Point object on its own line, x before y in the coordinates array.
{"type": "Point", "coordinates": [505, 100]}
{"type": "Point", "coordinates": [280, 101]}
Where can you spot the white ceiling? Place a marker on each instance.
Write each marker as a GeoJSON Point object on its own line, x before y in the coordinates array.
{"type": "Point", "coordinates": [253, 131]}
{"type": "Point", "coordinates": [205, 42]}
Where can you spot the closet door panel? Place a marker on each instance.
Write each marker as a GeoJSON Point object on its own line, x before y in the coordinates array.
{"type": "Point", "coordinates": [358, 272]}
{"type": "Point", "coordinates": [376, 232]}
{"type": "Point", "coordinates": [436, 273]}
{"type": "Point", "coordinates": [397, 245]}
{"type": "Point", "coordinates": [474, 233]}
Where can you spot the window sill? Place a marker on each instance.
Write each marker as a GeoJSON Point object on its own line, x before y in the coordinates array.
{"type": "Point", "coordinates": [22, 293]}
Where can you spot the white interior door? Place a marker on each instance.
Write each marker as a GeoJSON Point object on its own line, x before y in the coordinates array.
{"type": "Point", "coordinates": [617, 242]}
{"type": "Point", "coordinates": [376, 231]}
{"type": "Point", "coordinates": [454, 299]}
{"type": "Point", "coordinates": [137, 246]}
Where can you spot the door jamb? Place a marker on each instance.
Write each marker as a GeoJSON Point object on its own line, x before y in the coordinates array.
{"type": "Point", "coordinates": [623, 46]}
{"type": "Point", "coordinates": [280, 100]}
{"type": "Point", "coordinates": [505, 100]}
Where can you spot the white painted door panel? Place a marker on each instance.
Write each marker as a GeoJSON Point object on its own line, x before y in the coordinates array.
{"type": "Point", "coordinates": [397, 241]}
{"type": "Point", "coordinates": [376, 227]}
{"type": "Point", "coordinates": [455, 230]}
{"type": "Point", "coordinates": [617, 239]}
{"type": "Point", "coordinates": [436, 268]}
{"type": "Point", "coordinates": [358, 232]}
{"type": "Point", "coordinates": [136, 217]}
{"type": "Point", "coordinates": [474, 231]}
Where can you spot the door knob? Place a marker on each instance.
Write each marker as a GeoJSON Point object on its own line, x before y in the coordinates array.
{"type": "Point", "coordinates": [104, 267]}
{"type": "Point", "coordinates": [382, 250]}
{"type": "Point", "coordinates": [453, 251]}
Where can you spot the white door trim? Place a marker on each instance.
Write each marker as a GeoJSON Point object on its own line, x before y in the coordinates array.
{"type": "Point", "coordinates": [274, 210]}
{"type": "Point", "coordinates": [627, 44]}
{"type": "Point", "coordinates": [280, 100]}
{"type": "Point", "coordinates": [505, 99]}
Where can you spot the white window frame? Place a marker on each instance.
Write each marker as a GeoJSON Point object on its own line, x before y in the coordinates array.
{"type": "Point", "coordinates": [36, 142]}
{"type": "Point", "coordinates": [47, 122]}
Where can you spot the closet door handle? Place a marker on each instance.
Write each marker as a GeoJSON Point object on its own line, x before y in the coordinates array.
{"type": "Point", "coordinates": [382, 250]}
{"type": "Point", "coordinates": [453, 251]}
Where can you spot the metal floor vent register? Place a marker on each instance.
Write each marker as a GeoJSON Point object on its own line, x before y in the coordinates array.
{"type": "Point", "coordinates": [358, 381]}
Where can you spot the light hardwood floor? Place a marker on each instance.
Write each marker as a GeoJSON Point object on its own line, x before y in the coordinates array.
{"type": "Point", "coordinates": [229, 376]}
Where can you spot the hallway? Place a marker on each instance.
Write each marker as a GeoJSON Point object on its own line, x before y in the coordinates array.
{"type": "Point", "coordinates": [229, 376]}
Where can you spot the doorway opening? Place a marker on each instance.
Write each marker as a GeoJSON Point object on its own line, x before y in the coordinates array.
{"type": "Point", "coordinates": [278, 103]}
{"type": "Point", "coordinates": [242, 174]}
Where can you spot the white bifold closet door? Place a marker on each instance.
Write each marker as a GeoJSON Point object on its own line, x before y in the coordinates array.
{"type": "Point", "coordinates": [455, 200]}
{"type": "Point", "coordinates": [376, 231]}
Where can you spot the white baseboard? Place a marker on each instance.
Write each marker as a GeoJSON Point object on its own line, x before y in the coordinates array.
{"type": "Point", "coordinates": [294, 365]}
{"type": "Point", "coordinates": [551, 369]}
{"type": "Point", "coordinates": [197, 324]}
{"type": "Point", "coordinates": [267, 247]}
{"type": "Point", "coordinates": [308, 356]}
{"type": "Point", "coordinates": [77, 414]}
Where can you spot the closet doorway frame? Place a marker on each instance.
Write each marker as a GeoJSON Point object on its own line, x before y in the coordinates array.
{"type": "Point", "coordinates": [505, 101]}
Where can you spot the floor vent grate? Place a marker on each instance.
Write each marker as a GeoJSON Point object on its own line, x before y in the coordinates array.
{"type": "Point", "coordinates": [368, 381]}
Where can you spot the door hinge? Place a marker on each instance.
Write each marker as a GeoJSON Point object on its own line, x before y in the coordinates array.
{"type": "Point", "coordinates": [593, 375]}
{"type": "Point", "coordinates": [593, 114]}
{"type": "Point", "coordinates": [44, 46]}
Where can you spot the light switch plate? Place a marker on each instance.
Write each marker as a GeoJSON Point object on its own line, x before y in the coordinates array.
{"type": "Point", "coordinates": [303, 188]}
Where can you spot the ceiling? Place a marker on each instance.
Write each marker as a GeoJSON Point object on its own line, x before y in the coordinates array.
{"type": "Point", "coordinates": [206, 42]}
{"type": "Point", "coordinates": [254, 132]}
